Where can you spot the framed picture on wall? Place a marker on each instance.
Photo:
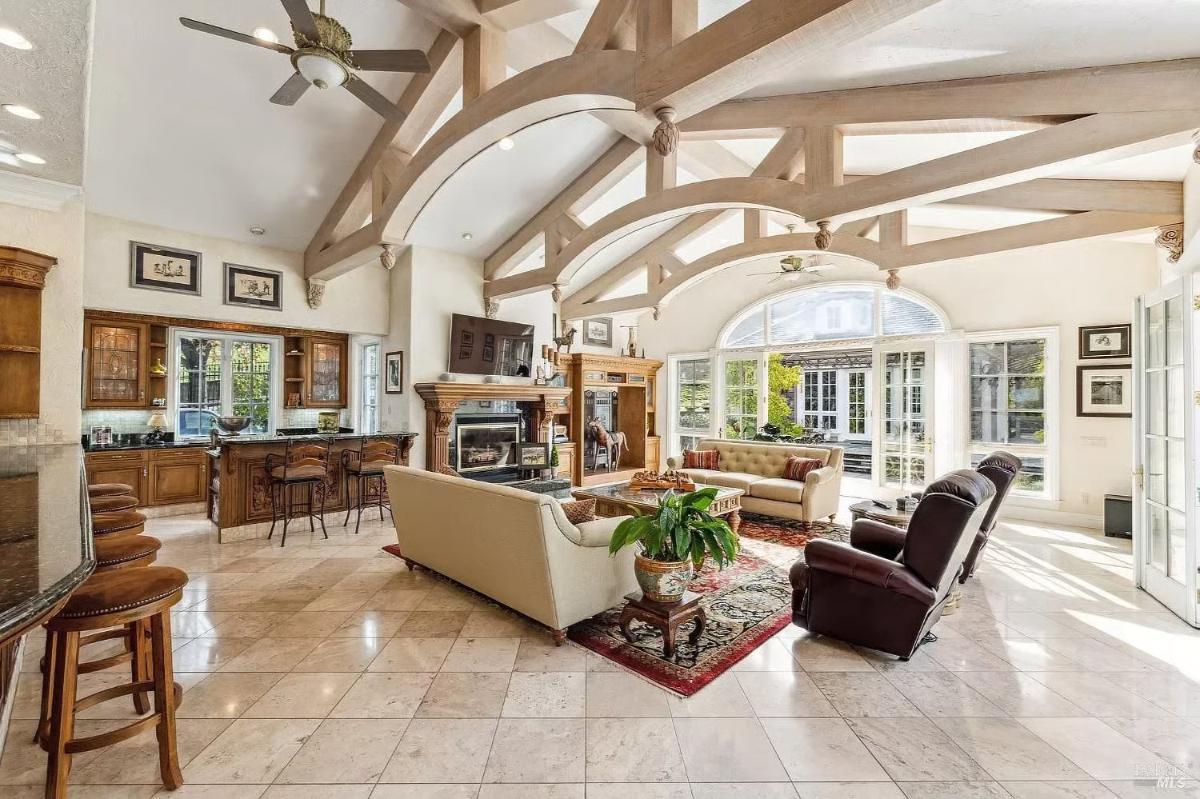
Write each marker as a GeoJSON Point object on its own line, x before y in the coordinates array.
{"type": "Point", "coordinates": [256, 288]}
{"type": "Point", "coordinates": [598, 331]}
{"type": "Point", "coordinates": [532, 455]}
{"type": "Point", "coordinates": [393, 372]}
{"type": "Point", "coordinates": [163, 268]}
{"type": "Point", "coordinates": [1105, 341]}
{"type": "Point", "coordinates": [1104, 391]}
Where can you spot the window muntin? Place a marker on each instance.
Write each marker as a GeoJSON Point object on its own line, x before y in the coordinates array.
{"type": "Point", "coordinates": [369, 389]}
{"type": "Point", "coordinates": [223, 376]}
{"type": "Point", "coordinates": [198, 385]}
{"type": "Point", "coordinates": [694, 404]}
{"type": "Point", "coordinates": [1008, 407]}
{"type": "Point", "coordinates": [820, 399]}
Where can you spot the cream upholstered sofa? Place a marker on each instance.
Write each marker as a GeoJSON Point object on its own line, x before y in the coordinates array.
{"type": "Point", "coordinates": [514, 546]}
{"type": "Point", "coordinates": [756, 467]}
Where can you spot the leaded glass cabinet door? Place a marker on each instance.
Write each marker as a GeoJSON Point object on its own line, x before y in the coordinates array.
{"type": "Point", "coordinates": [905, 427]}
{"type": "Point", "coordinates": [1165, 495]}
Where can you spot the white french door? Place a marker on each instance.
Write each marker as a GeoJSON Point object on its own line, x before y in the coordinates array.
{"type": "Point", "coordinates": [1164, 423]}
{"type": "Point", "coordinates": [903, 450]}
{"type": "Point", "coordinates": [742, 398]}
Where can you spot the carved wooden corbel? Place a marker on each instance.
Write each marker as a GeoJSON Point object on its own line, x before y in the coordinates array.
{"type": "Point", "coordinates": [1170, 238]}
{"type": "Point", "coordinates": [316, 292]}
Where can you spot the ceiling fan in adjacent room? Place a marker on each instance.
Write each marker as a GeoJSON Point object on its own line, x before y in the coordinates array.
{"type": "Point", "coordinates": [793, 268]}
{"type": "Point", "coordinates": [323, 58]}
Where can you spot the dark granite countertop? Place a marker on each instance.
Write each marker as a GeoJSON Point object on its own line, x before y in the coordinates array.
{"type": "Point", "coordinates": [198, 442]}
{"type": "Point", "coordinates": [266, 439]}
{"type": "Point", "coordinates": [45, 532]}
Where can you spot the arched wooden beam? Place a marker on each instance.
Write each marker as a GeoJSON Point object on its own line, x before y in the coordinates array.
{"type": "Point", "coordinates": [584, 82]}
{"type": "Point", "coordinates": [786, 244]}
{"type": "Point", "coordinates": [769, 193]}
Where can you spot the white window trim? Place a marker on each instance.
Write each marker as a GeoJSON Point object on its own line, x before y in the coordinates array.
{"type": "Point", "coordinates": [674, 431]}
{"type": "Point", "coordinates": [356, 383]}
{"type": "Point", "coordinates": [276, 384]}
{"type": "Point", "coordinates": [1052, 449]}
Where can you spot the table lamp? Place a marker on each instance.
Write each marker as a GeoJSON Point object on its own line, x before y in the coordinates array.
{"type": "Point", "coordinates": [156, 422]}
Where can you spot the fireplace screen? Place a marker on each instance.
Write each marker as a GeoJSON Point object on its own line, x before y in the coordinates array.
{"type": "Point", "coordinates": [487, 446]}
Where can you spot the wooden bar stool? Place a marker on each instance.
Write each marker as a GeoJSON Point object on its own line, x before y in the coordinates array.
{"type": "Point", "coordinates": [304, 464]}
{"type": "Point", "coordinates": [126, 552]}
{"type": "Point", "coordinates": [134, 598]}
{"type": "Point", "coordinates": [363, 468]}
{"type": "Point", "coordinates": [113, 503]}
{"type": "Point", "coordinates": [109, 490]}
{"type": "Point", "coordinates": [118, 523]}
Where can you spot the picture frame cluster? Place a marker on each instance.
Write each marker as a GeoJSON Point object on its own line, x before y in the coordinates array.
{"type": "Point", "coordinates": [179, 271]}
{"type": "Point", "coordinates": [1104, 390]}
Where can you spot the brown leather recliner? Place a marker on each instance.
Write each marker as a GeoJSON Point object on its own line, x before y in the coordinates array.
{"type": "Point", "coordinates": [886, 588]}
{"type": "Point", "coordinates": [1002, 469]}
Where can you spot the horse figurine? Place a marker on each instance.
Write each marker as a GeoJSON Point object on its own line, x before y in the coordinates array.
{"type": "Point", "coordinates": [565, 340]}
{"type": "Point", "coordinates": [612, 443]}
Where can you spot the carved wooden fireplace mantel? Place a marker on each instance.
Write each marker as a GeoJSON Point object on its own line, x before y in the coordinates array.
{"type": "Point", "coordinates": [442, 401]}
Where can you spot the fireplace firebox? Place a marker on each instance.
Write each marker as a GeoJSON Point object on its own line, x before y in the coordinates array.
{"type": "Point", "coordinates": [484, 446]}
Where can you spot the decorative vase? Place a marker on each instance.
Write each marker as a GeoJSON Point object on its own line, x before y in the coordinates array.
{"type": "Point", "coordinates": [662, 581]}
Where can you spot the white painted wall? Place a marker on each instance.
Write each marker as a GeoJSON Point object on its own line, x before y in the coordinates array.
{"type": "Point", "coordinates": [59, 234]}
{"type": "Point", "coordinates": [1064, 285]}
{"type": "Point", "coordinates": [354, 303]}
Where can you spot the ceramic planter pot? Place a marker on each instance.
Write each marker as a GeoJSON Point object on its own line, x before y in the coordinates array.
{"type": "Point", "coordinates": [662, 581]}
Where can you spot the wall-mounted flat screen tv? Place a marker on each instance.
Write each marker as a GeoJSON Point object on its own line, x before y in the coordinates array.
{"type": "Point", "coordinates": [481, 346]}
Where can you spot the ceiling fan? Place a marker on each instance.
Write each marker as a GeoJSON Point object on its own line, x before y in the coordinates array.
{"type": "Point", "coordinates": [793, 267]}
{"type": "Point", "coordinates": [323, 58]}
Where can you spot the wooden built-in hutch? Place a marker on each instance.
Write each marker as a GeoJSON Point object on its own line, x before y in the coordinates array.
{"type": "Point", "coordinates": [22, 278]}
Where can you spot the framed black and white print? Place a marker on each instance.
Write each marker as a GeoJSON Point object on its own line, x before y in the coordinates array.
{"type": "Point", "coordinates": [598, 331]}
{"type": "Point", "coordinates": [1104, 391]}
{"type": "Point", "coordinates": [1105, 341]}
{"type": "Point", "coordinates": [393, 372]}
{"type": "Point", "coordinates": [164, 268]}
{"type": "Point", "coordinates": [257, 288]}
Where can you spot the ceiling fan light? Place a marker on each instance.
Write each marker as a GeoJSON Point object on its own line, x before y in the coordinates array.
{"type": "Point", "coordinates": [266, 35]}
{"type": "Point", "coordinates": [9, 159]}
{"type": "Point", "coordinates": [320, 70]}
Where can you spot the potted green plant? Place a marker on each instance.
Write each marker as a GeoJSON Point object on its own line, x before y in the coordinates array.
{"type": "Point", "coordinates": [675, 540]}
{"type": "Point", "coordinates": [553, 462]}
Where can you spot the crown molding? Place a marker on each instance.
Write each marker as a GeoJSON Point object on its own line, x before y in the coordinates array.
{"type": "Point", "coordinates": [32, 192]}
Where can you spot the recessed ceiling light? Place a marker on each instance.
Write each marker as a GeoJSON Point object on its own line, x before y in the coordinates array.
{"type": "Point", "coordinates": [13, 39]}
{"type": "Point", "coordinates": [24, 112]}
{"type": "Point", "coordinates": [8, 158]}
{"type": "Point", "coordinates": [506, 143]}
{"type": "Point", "coordinates": [30, 158]}
{"type": "Point", "coordinates": [266, 35]}
{"type": "Point", "coordinates": [258, 230]}
{"type": "Point", "coordinates": [467, 237]}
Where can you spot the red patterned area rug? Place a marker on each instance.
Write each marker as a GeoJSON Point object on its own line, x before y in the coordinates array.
{"type": "Point", "coordinates": [746, 604]}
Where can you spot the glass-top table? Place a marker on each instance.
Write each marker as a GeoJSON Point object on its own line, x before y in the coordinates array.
{"type": "Point", "coordinates": [616, 499]}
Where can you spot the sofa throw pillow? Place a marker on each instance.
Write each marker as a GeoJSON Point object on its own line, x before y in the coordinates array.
{"type": "Point", "coordinates": [701, 459]}
{"type": "Point", "coordinates": [797, 468]}
{"type": "Point", "coordinates": [580, 511]}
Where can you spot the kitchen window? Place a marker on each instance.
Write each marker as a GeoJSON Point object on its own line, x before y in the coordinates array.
{"type": "Point", "coordinates": [223, 376]}
{"type": "Point", "coordinates": [369, 412]}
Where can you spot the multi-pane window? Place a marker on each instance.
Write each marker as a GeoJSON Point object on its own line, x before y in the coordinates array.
{"type": "Point", "coordinates": [369, 412]}
{"type": "Point", "coordinates": [856, 403]}
{"type": "Point", "coordinates": [694, 412]}
{"type": "Point", "coordinates": [741, 398]}
{"type": "Point", "coordinates": [223, 376]}
{"type": "Point", "coordinates": [820, 399]}
{"type": "Point", "coordinates": [1008, 405]}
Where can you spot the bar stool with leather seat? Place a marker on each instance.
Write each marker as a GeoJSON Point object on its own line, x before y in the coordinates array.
{"type": "Point", "coordinates": [112, 503]}
{"type": "Point", "coordinates": [109, 490]}
{"type": "Point", "coordinates": [126, 552]}
{"type": "Point", "coordinates": [304, 464]}
{"type": "Point", "coordinates": [139, 598]}
{"type": "Point", "coordinates": [363, 468]}
{"type": "Point", "coordinates": [118, 523]}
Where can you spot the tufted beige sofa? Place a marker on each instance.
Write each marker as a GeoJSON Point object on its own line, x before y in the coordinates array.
{"type": "Point", "coordinates": [756, 467]}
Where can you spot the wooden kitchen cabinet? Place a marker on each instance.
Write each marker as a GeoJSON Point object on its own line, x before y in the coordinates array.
{"type": "Point", "coordinates": [327, 364]}
{"type": "Point", "coordinates": [116, 357]}
{"type": "Point", "coordinates": [176, 476]}
{"type": "Point", "coordinates": [127, 466]}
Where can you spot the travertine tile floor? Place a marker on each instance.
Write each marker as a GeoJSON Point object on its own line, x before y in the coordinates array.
{"type": "Point", "coordinates": [328, 670]}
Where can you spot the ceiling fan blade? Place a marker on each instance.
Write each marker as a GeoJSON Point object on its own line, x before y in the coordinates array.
{"type": "Point", "coordinates": [390, 60]}
{"type": "Point", "coordinates": [302, 19]}
{"type": "Point", "coordinates": [204, 27]}
{"type": "Point", "coordinates": [377, 102]}
{"type": "Point", "coordinates": [291, 90]}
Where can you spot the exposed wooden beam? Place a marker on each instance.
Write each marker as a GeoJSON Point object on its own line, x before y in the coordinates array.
{"type": "Point", "coordinates": [484, 62]}
{"type": "Point", "coordinates": [1073, 92]}
{"type": "Point", "coordinates": [617, 162]}
{"type": "Point", "coordinates": [1068, 228]}
{"type": "Point", "coordinates": [1080, 142]}
{"type": "Point", "coordinates": [608, 25]}
{"type": "Point", "coordinates": [423, 100]}
{"type": "Point", "coordinates": [1060, 194]}
{"type": "Point", "coordinates": [456, 16]}
{"type": "Point", "coordinates": [893, 230]}
{"type": "Point", "coordinates": [662, 171]}
{"type": "Point", "coordinates": [761, 37]}
{"type": "Point", "coordinates": [662, 24]}
{"type": "Point", "coordinates": [822, 157]}
{"type": "Point", "coordinates": [695, 129]}
{"type": "Point", "coordinates": [754, 224]}
{"type": "Point", "coordinates": [382, 180]}
{"type": "Point", "coordinates": [510, 14]}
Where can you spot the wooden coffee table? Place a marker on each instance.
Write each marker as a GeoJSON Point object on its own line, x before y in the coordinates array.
{"type": "Point", "coordinates": [616, 499]}
{"type": "Point", "coordinates": [666, 617]}
{"type": "Point", "coordinates": [889, 515]}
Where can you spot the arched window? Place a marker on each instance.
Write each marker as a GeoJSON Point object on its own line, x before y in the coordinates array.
{"type": "Point", "coordinates": [832, 312]}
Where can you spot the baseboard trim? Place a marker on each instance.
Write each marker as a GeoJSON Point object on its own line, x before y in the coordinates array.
{"type": "Point", "coordinates": [1048, 516]}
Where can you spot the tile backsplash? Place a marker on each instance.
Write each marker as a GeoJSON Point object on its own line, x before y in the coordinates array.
{"type": "Point", "coordinates": [135, 421]}
{"type": "Point", "coordinates": [29, 432]}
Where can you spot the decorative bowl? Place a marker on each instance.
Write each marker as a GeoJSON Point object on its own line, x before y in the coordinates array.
{"type": "Point", "coordinates": [232, 425]}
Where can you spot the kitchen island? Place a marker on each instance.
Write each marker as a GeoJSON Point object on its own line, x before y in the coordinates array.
{"type": "Point", "coordinates": [239, 496]}
{"type": "Point", "coordinates": [45, 543]}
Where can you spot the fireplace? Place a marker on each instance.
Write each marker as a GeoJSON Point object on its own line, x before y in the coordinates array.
{"type": "Point", "coordinates": [484, 446]}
